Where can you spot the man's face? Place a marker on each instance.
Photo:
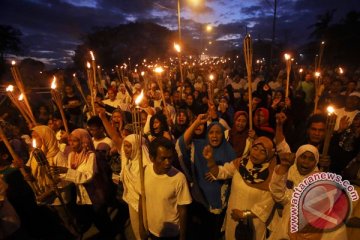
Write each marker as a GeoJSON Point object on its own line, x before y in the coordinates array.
{"type": "Point", "coordinates": [163, 160]}
{"type": "Point", "coordinates": [316, 133]}
{"type": "Point", "coordinates": [189, 100]}
{"type": "Point", "coordinates": [95, 131]}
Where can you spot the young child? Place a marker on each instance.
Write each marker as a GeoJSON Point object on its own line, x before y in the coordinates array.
{"type": "Point", "coordinates": [167, 193]}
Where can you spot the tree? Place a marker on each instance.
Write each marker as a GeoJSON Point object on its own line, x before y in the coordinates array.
{"type": "Point", "coordinates": [322, 24]}
{"type": "Point", "coordinates": [114, 45]}
{"type": "Point", "coordinates": [9, 40]}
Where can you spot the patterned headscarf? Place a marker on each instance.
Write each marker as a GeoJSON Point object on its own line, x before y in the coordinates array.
{"type": "Point", "coordinates": [86, 145]}
{"type": "Point", "coordinates": [257, 173]}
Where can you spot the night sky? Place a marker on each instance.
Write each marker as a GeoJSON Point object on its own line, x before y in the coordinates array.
{"type": "Point", "coordinates": [52, 28]}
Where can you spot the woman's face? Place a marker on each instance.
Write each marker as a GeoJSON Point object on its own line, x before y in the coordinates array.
{"type": "Point", "coordinates": [157, 126]}
{"type": "Point", "coordinates": [181, 118]}
{"type": "Point", "coordinates": [127, 149]}
{"type": "Point", "coordinates": [75, 143]}
{"type": "Point", "coordinates": [240, 123]}
{"type": "Point", "coordinates": [305, 163]}
{"type": "Point", "coordinates": [258, 154]}
{"type": "Point", "coordinates": [215, 136]}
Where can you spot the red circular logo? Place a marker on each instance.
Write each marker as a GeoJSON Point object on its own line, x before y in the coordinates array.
{"type": "Point", "coordinates": [325, 205]}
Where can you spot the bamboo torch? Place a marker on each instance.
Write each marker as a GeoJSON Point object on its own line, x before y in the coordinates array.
{"type": "Point", "coordinates": [248, 54]}
{"type": "Point", "coordinates": [159, 71]}
{"type": "Point", "coordinates": [78, 86]}
{"type": "Point", "coordinates": [16, 158]}
{"type": "Point", "coordinates": [211, 88]}
{"type": "Point", "coordinates": [19, 83]}
{"type": "Point", "coordinates": [90, 82]}
{"type": "Point", "coordinates": [330, 124]}
{"type": "Point", "coordinates": [317, 90]}
{"type": "Point", "coordinates": [139, 141]}
{"type": "Point", "coordinates": [321, 53]}
{"type": "Point", "coordinates": [20, 107]}
{"type": "Point", "coordinates": [288, 69]}
{"type": "Point", "coordinates": [58, 101]}
{"type": "Point", "coordinates": [178, 50]}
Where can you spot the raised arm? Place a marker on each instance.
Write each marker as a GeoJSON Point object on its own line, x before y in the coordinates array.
{"type": "Point", "coordinates": [277, 184]}
{"type": "Point", "coordinates": [201, 119]}
{"type": "Point", "coordinates": [113, 134]}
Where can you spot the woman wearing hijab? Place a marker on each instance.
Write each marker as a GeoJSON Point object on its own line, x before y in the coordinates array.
{"type": "Point", "coordinates": [239, 134]}
{"type": "Point", "coordinates": [130, 157]}
{"type": "Point", "coordinates": [46, 141]}
{"type": "Point", "coordinates": [211, 197]}
{"type": "Point", "coordinates": [84, 170]}
{"type": "Point", "coordinates": [262, 123]}
{"type": "Point", "coordinates": [250, 202]}
{"type": "Point", "coordinates": [287, 176]}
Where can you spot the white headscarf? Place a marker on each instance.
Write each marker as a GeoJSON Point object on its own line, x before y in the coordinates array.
{"type": "Point", "coordinates": [130, 175]}
{"type": "Point", "coordinates": [294, 174]}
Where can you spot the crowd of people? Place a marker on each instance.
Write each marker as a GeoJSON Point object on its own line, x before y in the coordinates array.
{"type": "Point", "coordinates": [195, 164]}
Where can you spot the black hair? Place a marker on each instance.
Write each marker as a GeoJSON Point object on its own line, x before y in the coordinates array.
{"type": "Point", "coordinates": [316, 118]}
{"type": "Point", "coordinates": [160, 142]}
{"type": "Point", "coordinates": [163, 123]}
{"type": "Point", "coordinates": [95, 121]}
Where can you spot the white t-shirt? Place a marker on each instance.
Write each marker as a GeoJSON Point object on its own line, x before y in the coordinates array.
{"type": "Point", "coordinates": [163, 194]}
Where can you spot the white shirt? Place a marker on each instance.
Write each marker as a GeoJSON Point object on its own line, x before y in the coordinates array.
{"type": "Point", "coordinates": [82, 174]}
{"type": "Point", "coordinates": [164, 193]}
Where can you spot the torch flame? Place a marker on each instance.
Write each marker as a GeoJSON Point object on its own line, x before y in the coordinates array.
{"type": "Point", "coordinates": [98, 66]}
{"type": "Point", "coordinates": [74, 75]}
{"type": "Point", "coordinates": [53, 84]}
{"type": "Point", "coordinates": [10, 88]}
{"type": "Point", "coordinates": [323, 42]}
{"type": "Point", "coordinates": [139, 98]}
{"type": "Point", "coordinates": [92, 55]}
{"type": "Point", "coordinates": [142, 73]}
{"type": "Point", "coordinates": [88, 65]}
{"type": "Point", "coordinates": [13, 63]}
{"type": "Point", "coordinates": [341, 71]}
{"type": "Point", "coordinates": [158, 70]}
{"type": "Point", "coordinates": [34, 143]}
{"type": "Point", "coordinates": [330, 110]}
{"type": "Point", "coordinates": [177, 47]}
{"type": "Point", "coordinates": [21, 97]}
{"type": "Point", "coordinates": [301, 70]}
{"type": "Point", "coordinates": [317, 74]}
{"type": "Point", "coordinates": [211, 77]}
{"type": "Point", "coordinates": [287, 56]}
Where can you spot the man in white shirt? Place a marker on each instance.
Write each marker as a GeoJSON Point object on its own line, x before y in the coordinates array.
{"type": "Point", "coordinates": [350, 110]}
{"type": "Point", "coordinates": [167, 193]}
{"type": "Point", "coordinates": [101, 141]}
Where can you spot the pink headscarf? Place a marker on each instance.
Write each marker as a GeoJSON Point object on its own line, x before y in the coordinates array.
{"type": "Point", "coordinates": [86, 145]}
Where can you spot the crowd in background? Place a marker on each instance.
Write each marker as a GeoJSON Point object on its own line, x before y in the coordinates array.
{"type": "Point", "coordinates": [209, 172]}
